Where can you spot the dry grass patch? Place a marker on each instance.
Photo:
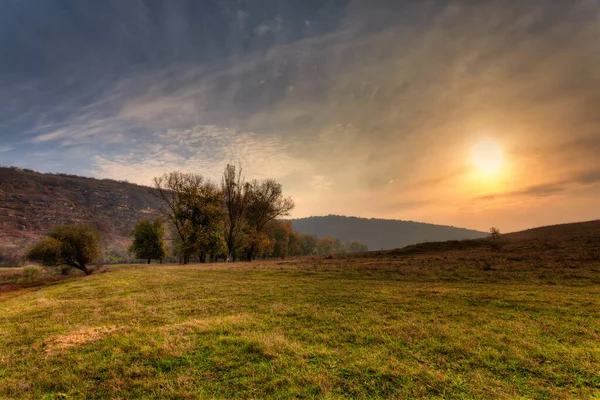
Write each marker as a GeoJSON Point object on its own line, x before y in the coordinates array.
{"type": "Point", "coordinates": [79, 337]}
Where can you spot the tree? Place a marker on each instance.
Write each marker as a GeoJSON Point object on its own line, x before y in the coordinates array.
{"type": "Point", "coordinates": [308, 244]}
{"type": "Point", "coordinates": [204, 214]}
{"type": "Point", "coordinates": [193, 206]}
{"type": "Point", "coordinates": [295, 244]}
{"type": "Point", "coordinates": [71, 245]}
{"type": "Point", "coordinates": [265, 203]}
{"type": "Point", "coordinates": [494, 233]}
{"type": "Point", "coordinates": [357, 247]}
{"type": "Point", "coordinates": [234, 202]}
{"type": "Point", "coordinates": [339, 247]}
{"type": "Point", "coordinates": [280, 232]}
{"type": "Point", "coordinates": [149, 240]}
{"type": "Point", "coordinates": [325, 245]}
{"type": "Point", "coordinates": [494, 237]}
{"type": "Point", "coordinates": [170, 188]}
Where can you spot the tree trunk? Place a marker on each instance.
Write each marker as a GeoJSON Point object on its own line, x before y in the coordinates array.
{"type": "Point", "coordinates": [149, 261]}
{"type": "Point", "coordinates": [250, 252]}
{"type": "Point", "coordinates": [82, 267]}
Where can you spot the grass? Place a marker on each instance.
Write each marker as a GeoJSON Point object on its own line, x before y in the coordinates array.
{"type": "Point", "coordinates": [464, 324]}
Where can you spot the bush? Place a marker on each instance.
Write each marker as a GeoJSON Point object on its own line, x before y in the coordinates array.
{"type": "Point", "coordinates": [495, 239]}
{"type": "Point", "coordinates": [31, 273]}
{"type": "Point", "coordinates": [47, 252]}
{"type": "Point", "coordinates": [68, 245]}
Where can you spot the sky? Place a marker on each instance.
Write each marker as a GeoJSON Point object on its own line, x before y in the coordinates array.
{"type": "Point", "coordinates": [471, 113]}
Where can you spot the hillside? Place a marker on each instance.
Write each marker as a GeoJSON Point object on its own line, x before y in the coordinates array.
{"type": "Point", "coordinates": [31, 203]}
{"type": "Point", "coordinates": [381, 233]}
{"type": "Point", "coordinates": [561, 247]}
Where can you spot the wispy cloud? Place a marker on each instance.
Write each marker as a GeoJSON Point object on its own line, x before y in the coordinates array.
{"type": "Point", "coordinates": [203, 149]}
{"type": "Point", "coordinates": [375, 115]}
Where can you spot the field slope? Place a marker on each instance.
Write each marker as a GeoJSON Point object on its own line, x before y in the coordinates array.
{"type": "Point", "coordinates": [456, 321]}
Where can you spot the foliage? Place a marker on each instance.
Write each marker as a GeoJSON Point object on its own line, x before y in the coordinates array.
{"type": "Point", "coordinates": [265, 203]}
{"type": "Point", "coordinates": [325, 246]}
{"type": "Point", "coordinates": [357, 247]}
{"type": "Point", "coordinates": [31, 273]}
{"type": "Point", "coordinates": [308, 243]}
{"type": "Point", "coordinates": [149, 240]}
{"type": "Point", "coordinates": [47, 251]}
{"type": "Point", "coordinates": [280, 231]}
{"type": "Point", "coordinates": [194, 210]}
{"type": "Point", "coordinates": [339, 247]}
{"type": "Point", "coordinates": [71, 245]}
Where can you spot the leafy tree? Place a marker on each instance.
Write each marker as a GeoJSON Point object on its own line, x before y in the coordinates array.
{"type": "Point", "coordinates": [204, 214]}
{"type": "Point", "coordinates": [193, 206]}
{"type": "Point", "coordinates": [339, 247]}
{"type": "Point", "coordinates": [308, 244]}
{"type": "Point", "coordinates": [71, 245]}
{"type": "Point", "coordinates": [280, 232]}
{"type": "Point", "coordinates": [149, 240]}
{"type": "Point", "coordinates": [357, 247]}
{"type": "Point", "coordinates": [325, 246]}
{"type": "Point", "coordinates": [295, 244]}
{"type": "Point", "coordinates": [265, 203]}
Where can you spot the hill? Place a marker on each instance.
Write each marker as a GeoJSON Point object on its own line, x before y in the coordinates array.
{"type": "Point", "coordinates": [381, 233]}
{"type": "Point", "coordinates": [561, 248]}
{"type": "Point", "coordinates": [31, 203]}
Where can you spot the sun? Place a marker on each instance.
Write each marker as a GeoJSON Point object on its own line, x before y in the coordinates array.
{"type": "Point", "coordinates": [487, 156]}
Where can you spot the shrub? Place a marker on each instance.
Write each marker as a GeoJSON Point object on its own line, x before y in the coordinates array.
{"type": "Point", "coordinates": [31, 273]}
{"type": "Point", "coordinates": [495, 238]}
{"type": "Point", "coordinates": [68, 245]}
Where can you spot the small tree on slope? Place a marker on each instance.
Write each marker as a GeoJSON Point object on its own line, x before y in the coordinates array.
{"type": "Point", "coordinates": [71, 245]}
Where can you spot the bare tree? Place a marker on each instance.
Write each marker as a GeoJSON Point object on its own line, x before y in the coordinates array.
{"type": "Point", "coordinates": [234, 201]}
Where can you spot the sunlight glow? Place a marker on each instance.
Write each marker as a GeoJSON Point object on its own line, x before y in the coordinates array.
{"type": "Point", "coordinates": [487, 156]}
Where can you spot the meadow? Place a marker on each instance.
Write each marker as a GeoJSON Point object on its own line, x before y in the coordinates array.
{"type": "Point", "coordinates": [424, 322]}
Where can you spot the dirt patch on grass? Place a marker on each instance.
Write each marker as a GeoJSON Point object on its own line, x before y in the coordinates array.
{"type": "Point", "coordinates": [78, 338]}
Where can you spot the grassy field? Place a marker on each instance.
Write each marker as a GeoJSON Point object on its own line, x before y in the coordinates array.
{"type": "Point", "coordinates": [523, 322]}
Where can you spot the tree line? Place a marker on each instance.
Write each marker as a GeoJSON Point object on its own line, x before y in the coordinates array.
{"type": "Point", "coordinates": [236, 220]}
{"type": "Point", "coordinates": [278, 240]}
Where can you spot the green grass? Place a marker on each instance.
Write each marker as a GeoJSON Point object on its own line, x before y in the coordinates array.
{"type": "Point", "coordinates": [474, 326]}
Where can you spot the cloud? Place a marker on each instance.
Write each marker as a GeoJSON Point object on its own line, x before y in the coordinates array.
{"type": "Point", "coordinates": [559, 187]}
{"type": "Point", "coordinates": [49, 136]}
{"type": "Point", "coordinates": [389, 92]}
{"type": "Point", "coordinates": [274, 25]}
{"type": "Point", "coordinates": [204, 149]}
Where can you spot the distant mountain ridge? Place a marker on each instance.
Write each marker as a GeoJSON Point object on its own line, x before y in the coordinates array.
{"type": "Point", "coordinates": [381, 233]}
